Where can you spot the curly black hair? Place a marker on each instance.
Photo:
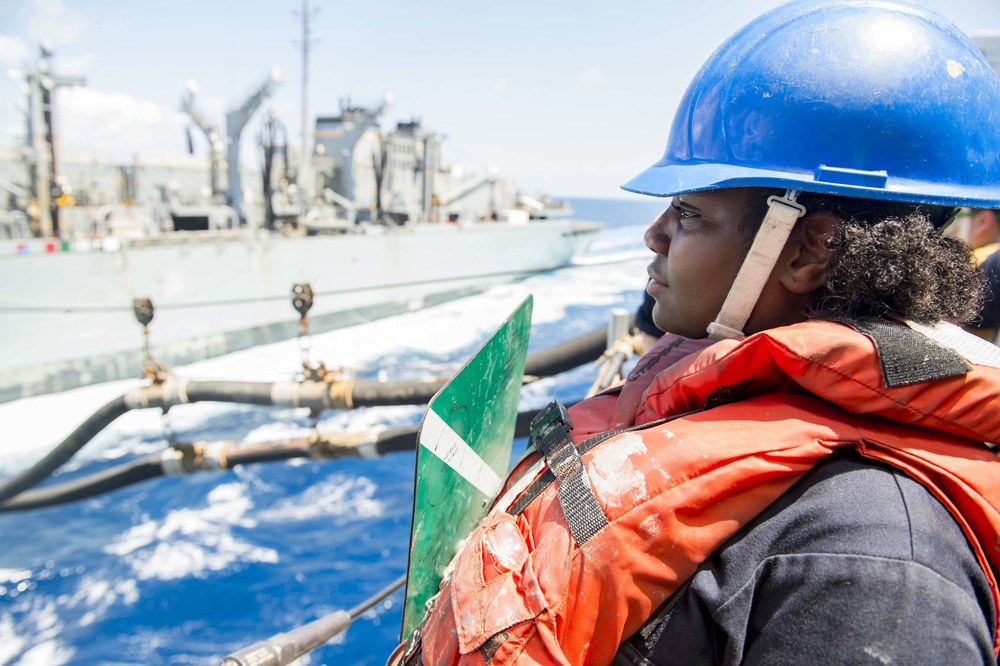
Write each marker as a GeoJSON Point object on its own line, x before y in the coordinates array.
{"type": "Point", "coordinates": [903, 269]}
{"type": "Point", "coordinates": [890, 260]}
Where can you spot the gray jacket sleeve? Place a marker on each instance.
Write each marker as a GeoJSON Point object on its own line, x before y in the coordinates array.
{"type": "Point", "coordinates": [856, 564]}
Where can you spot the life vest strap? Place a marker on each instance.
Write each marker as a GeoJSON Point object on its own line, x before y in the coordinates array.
{"type": "Point", "coordinates": [584, 514]}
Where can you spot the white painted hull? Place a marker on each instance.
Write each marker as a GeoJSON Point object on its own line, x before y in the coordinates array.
{"type": "Point", "coordinates": [66, 318]}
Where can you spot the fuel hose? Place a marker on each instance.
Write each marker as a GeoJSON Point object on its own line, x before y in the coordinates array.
{"type": "Point", "coordinates": [312, 394]}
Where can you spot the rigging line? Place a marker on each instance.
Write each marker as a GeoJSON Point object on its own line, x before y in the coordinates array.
{"type": "Point", "coordinates": [70, 309]}
{"type": "Point", "coordinates": [379, 596]}
{"type": "Point", "coordinates": [282, 297]}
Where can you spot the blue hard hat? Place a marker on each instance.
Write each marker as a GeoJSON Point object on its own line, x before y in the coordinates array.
{"type": "Point", "coordinates": [872, 99]}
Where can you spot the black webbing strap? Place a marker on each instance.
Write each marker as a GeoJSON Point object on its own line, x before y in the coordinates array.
{"type": "Point", "coordinates": [906, 356]}
{"type": "Point", "coordinates": [532, 493]}
{"type": "Point", "coordinates": [550, 434]}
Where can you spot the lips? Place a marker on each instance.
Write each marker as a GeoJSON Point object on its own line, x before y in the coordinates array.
{"type": "Point", "coordinates": [655, 279]}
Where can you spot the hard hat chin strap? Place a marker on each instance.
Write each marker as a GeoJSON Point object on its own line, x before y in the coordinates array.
{"type": "Point", "coordinates": [782, 212]}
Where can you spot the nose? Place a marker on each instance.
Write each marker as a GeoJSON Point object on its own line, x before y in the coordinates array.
{"type": "Point", "coordinates": [656, 237]}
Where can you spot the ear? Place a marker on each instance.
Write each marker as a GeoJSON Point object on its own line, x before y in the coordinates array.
{"type": "Point", "coordinates": [981, 220]}
{"type": "Point", "coordinates": [805, 258]}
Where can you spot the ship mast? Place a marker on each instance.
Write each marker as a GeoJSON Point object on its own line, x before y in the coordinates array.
{"type": "Point", "coordinates": [42, 86]}
{"type": "Point", "coordinates": [304, 177]}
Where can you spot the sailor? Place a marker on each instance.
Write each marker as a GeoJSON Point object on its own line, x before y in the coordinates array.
{"type": "Point", "coordinates": [983, 235]}
{"type": "Point", "coordinates": [803, 469]}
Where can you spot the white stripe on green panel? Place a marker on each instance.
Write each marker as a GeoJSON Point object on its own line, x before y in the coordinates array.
{"type": "Point", "coordinates": [437, 437]}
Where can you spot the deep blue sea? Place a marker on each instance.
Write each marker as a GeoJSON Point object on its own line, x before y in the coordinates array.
{"type": "Point", "coordinates": [184, 570]}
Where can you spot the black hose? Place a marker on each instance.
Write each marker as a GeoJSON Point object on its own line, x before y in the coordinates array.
{"type": "Point", "coordinates": [373, 393]}
{"type": "Point", "coordinates": [361, 392]}
{"type": "Point", "coordinates": [247, 393]}
{"type": "Point", "coordinates": [117, 477]}
{"type": "Point", "coordinates": [142, 469]}
{"type": "Point", "coordinates": [544, 363]}
{"type": "Point", "coordinates": [567, 355]}
{"type": "Point", "coordinates": [389, 440]}
{"type": "Point", "coordinates": [64, 451]}
{"type": "Point", "coordinates": [397, 440]}
{"type": "Point", "coordinates": [262, 454]}
{"type": "Point", "coordinates": [364, 393]}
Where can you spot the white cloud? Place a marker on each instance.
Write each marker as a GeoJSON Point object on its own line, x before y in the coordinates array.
{"type": "Point", "coordinates": [12, 110]}
{"type": "Point", "coordinates": [499, 86]}
{"type": "Point", "coordinates": [75, 65]}
{"type": "Point", "coordinates": [14, 52]}
{"type": "Point", "coordinates": [592, 77]}
{"type": "Point", "coordinates": [116, 125]}
{"type": "Point", "coordinates": [54, 21]}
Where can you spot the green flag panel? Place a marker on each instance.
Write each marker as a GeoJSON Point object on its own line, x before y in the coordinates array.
{"type": "Point", "coordinates": [465, 443]}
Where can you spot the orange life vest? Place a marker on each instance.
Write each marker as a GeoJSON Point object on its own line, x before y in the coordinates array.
{"type": "Point", "coordinates": [526, 589]}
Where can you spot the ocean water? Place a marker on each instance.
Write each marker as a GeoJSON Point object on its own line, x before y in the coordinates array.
{"type": "Point", "coordinates": [184, 570]}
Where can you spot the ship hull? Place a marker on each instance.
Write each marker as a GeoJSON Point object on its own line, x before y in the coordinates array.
{"type": "Point", "coordinates": [66, 318]}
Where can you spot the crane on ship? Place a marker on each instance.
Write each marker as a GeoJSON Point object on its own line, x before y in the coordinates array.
{"type": "Point", "coordinates": [211, 133]}
{"type": "Point", "coordinates": [236, 120]}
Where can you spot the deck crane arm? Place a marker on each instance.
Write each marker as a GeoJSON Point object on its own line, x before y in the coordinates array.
{"type": "Point", "coordinates": [211, 133]}
{"type": "Point", "coordinates": [236, 120]}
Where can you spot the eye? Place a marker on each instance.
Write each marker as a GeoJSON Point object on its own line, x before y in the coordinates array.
{"type": "Point", "coordinates": [683, 213]}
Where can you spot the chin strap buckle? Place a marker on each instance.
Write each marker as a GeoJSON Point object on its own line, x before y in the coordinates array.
{"type": "Point", "coordinates": [782, 214]}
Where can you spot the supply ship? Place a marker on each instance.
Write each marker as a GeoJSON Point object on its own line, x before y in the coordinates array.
{"type": "Point", "coordinates": [371, 223]}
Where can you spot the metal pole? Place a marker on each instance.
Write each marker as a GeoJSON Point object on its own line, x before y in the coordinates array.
{"type": "Point", "coordinates": [42, 151]}
{"type": "Point", "coordinates": [50, 143]}
{"type": "Point", "coordinates": [305, 183]}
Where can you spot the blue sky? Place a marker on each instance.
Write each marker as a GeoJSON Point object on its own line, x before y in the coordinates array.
{"type": "Point", "coordinates": [570, 98]}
